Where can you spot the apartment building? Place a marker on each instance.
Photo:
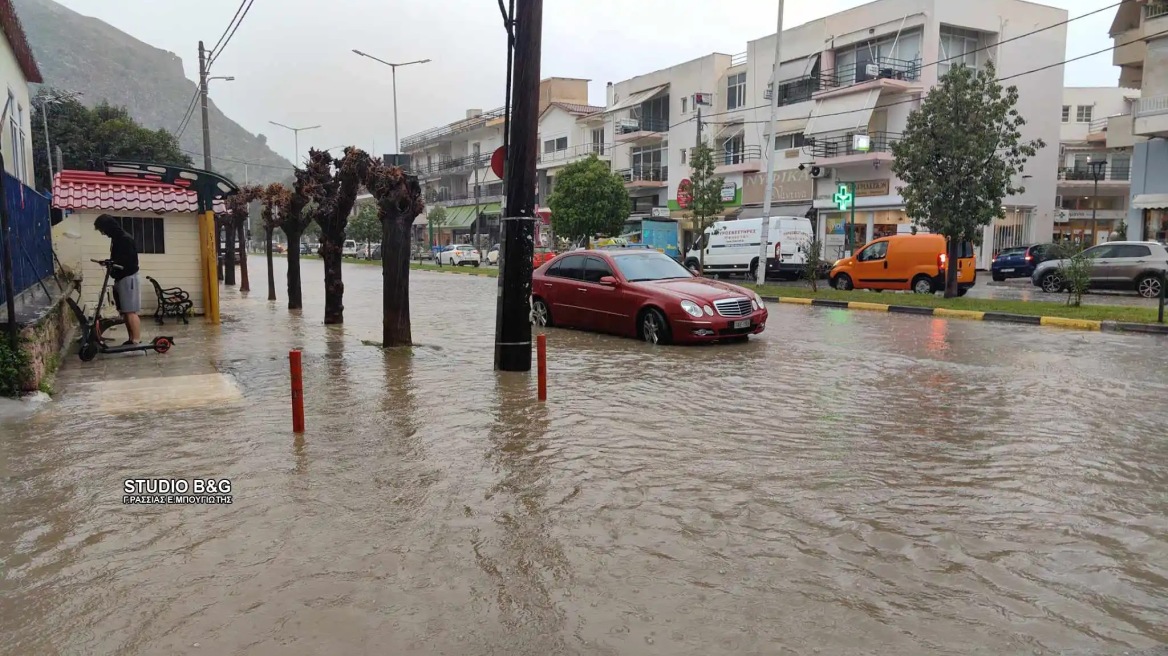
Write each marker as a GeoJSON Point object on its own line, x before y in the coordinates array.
{"type": "Point", "coordinates": [568, 132]}
{"type": "Point", "coordinates": [453, 164]}
{"type": "Point", "coordinates": [1094, 177]}
{"type": "Point", "coordinates": [1140, 32]}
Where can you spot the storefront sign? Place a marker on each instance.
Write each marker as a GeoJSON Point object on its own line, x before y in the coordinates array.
{"type": "Point", "coordinates": [729, 191]}
{"type": "Point", "coordinates": [790, 186]}
{"type": "Point", "coordinates": [1077, 215]}
{"type": "Point", "coordinates": [659, 212]}
{"type": "Point", "coordinates": [685, 193]}
{"type": "Point", "coordinates": [843, 198]}
{"type": "Point", "coordinates": [866, 188]}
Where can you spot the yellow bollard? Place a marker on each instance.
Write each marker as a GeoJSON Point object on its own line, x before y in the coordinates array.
{"type": "Point", "coordinates": [210, 260]}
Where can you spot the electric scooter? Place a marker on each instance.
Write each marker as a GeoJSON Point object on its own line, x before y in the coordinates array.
{"type": "Point", "coordinates": [92, 341]}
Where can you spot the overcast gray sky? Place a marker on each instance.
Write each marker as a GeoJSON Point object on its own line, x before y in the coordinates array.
{"type": "Point", "coordinates": [292, 62]}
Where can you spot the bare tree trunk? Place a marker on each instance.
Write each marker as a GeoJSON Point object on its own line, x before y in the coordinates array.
{"type": "Point", "coordinates": [229, 253]}
{"type": "Point", "coordinates": [951, 268]}
{"type": "Point", "coordinates": [294, 299]}
{"type": "Point", "coordinates": [334, 286]}
{"type": "Point", "coordinates": [244, 283]}
{"type": "Point", "coordinates": [271, 273]}
{"type": "Point", "coordinates": [218, 247]}
{"type": "Point", "coordinates": [395, 263]}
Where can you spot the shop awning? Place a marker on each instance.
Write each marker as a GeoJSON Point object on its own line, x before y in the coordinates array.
{"type": "Point", "coordinates": [845, 113]}
{"type": "Point", "coordinates": [1150, 202]}
{"type": "Point", "coordinates": [459, 217]}
{"type": "Point", "coordinates": [491, 208]}
{"type": "Point", "coordinates": [636, 99]}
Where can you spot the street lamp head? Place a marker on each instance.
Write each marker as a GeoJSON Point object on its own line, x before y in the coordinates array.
{"type": "Point", "coordinates": [359, 52]}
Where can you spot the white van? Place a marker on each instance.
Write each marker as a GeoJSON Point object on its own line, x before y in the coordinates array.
{"type": "Point", "coordinates": [349, 248]}
{"type": "Point", "coordinates": [732, 246]}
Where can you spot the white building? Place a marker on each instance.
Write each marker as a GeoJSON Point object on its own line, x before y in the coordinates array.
{"type": "Point", "coordinates": [1089, 211]}
{"type": "Point", "coordinates": [568, 132]}
{"type": "Point", "coordinates": [17, 70]}
{"type": "Point", "coordinates": [1140, 31]}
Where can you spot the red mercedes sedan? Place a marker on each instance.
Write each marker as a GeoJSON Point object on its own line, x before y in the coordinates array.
{"type": "Point", "coordinates": [644, 294]}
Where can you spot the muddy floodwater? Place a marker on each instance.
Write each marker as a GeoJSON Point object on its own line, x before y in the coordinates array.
{"type": "Point", "coordinates": [846, 483]}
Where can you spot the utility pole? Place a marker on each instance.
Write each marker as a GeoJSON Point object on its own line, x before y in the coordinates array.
{"type": "Point", "coordinates": [513, 309]}
{"type": "Point", "coordinates": [769, 149]}
{"type": "Point", "coordinates": [203, 102]}
{"type": "Point", "coordinates": [48, 150]}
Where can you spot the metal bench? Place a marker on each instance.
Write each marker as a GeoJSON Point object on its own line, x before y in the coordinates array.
{"type": "Point", "coordinates": [172, 302]}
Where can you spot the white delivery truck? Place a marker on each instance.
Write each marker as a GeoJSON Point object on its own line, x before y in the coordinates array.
{"type": "Point", "coordinates": [732, 246]}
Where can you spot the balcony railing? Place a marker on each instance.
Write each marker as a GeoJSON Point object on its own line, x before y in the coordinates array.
{"type": "Point", "coordinates": [796, 90]}
{"type": "Point", "coordinates": [1150, 106]}
{"type": "Point", "coordinates": [645, 174]}
{"type": "Point", "coordinates": [415, 141]}
{"type": "Point", "coordinates": [1155, 10]}
{"type": "Point", "coordinates": [1113, 173]}
{"type": "Point", "coordinates": [880, 69]}
{"type": "Point", "coordinates": [844, 145]}
{"type": "Point", "coordinates": [450, 165]}
{"type": "Point", "coordinates": [489, 195]}
{"type": "Point", "coordinates": [738, 60]}
{"type": "Point", "coordinates": [579, 150]}
{"type": "Point", "coordinates": [1098, 125]}
{"type": "Point", "coordinates": [742, 155]}
{"type": "Point", "coordinates": [631, 125]}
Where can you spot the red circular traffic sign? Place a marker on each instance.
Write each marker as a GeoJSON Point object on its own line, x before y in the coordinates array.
{"type": "Point", "coordinates": [497, 158]}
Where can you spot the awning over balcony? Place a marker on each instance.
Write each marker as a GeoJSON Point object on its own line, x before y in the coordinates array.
{"type": "Point", "coordinates": [1150, 202]}
{"type": "Point", "coordinates": [636, 99]}
{"type": "Point", "coordinates": [846, 113]}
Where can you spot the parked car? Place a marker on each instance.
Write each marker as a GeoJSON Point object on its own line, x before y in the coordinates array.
{"type": "Point", "coordinates": [642, 293]}
{"type": "Point", "coordinates": [904, 262]}
{"type": "Point", "coordinates": [374, 252]}
{"type": "Point", "coordinates": [542, 256]}
{"type": "Point", "coordinates": [493, 255]}
{"type": "Point", "coordinates": [306, 249]}
{"type": "Point", "coordinates": [732, 246]}
{"type": "Point", "coordinates": [1019, 262]}
{"type": "Point", "coordinates": [279, 248]}
{"type": "Point", "coordinates": [1130, 265]}
{"type": "Point", "coordinates": [459, 255]}
{"type": "Point", "coordinates": [349, 248]}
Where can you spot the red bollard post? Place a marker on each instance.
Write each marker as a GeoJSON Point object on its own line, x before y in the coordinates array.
{"type": "Point", "coordinates": [297, 392]}
{"type": "Point", "coordinates": [541, 364]}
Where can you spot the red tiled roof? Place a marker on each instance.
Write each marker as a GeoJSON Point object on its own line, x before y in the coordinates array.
{"type": "Point", "coordinates": [10, 23]}
{"type": "Point", "coordinates": [578, 110]}
{"type": "Point", "coordinates": [95, 190]}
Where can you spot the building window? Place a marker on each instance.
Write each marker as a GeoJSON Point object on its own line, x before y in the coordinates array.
{"type": "Point", "coordinates": [148, 232]}
{"type": "Point", "coordinates": [649, 162]}
{"type": "Point", "coordinates": [736, 91]}
{"type": "Point", "coordinates": [554, 145]}
{"type": "Point", "coordinates": [1120, 168]}
{"type": "Point", "coordinates": [732, 150]}
{"type": "Point", "coordinates": [598, 141]}
{"type": "Point", "coordinates": [897, 56]}
{"type": "Point", "coordinates": [684, 101]}
{"type": "Point", "coordinates": [1083, 113]}
{"type": "Point", "coordinates": [959, 47]}
{"type": "Point", "coordinates": [789, 141]}
{"type": "Point", "coordinates": [1066, 113]}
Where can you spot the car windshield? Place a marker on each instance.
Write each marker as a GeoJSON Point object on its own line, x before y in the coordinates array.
{"type": "Point", "coordinates": [642, 267]}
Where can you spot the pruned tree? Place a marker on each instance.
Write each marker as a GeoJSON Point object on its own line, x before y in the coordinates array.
{"type": "Point", "coordinates": [294, 218]}
{"type": "Point", "coordinates": [705, 195]}
{"type": "Point", "coordinates": [333, 189]}
{"type": "Point", "coordinates": [238, 205]}
{"type": "Point", "coordinates": [399, 202]}
{"type": "Point", "coordinates": [959, 157]}
{"type": "Point", "coordinates": [588, 200]}
{"type": "Point", "coordinates": [272, 200]}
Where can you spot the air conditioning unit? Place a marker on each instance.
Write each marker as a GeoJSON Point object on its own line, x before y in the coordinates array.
{"type": "Point", "coordinates": [820, 172]}
{"type": "Point", "coordinates": [872, 70]}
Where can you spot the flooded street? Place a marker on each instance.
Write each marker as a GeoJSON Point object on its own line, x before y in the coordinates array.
{"type": "Point", "coordinates": [845, 483]}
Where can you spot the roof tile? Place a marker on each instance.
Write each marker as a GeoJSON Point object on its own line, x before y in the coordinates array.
{"type": "Point", "coordinates": [95, 190]}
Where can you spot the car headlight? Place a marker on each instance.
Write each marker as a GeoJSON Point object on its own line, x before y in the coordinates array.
{"type": "Point", "coordinates": [709, 310]}
{"type": "Point", "coordinates": [758, 304]}
{"type": "Point", "coordinates": [691, 308]}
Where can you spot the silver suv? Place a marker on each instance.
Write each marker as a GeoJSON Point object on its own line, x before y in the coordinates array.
{"type": "Point", "coordinates": [1137, 265]}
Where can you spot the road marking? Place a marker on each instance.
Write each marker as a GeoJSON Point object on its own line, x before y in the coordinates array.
{"type": "Point", "coordinates": [958, 314]}
{"type": "Point", "coordinates": [861, 305]}
{"type": "Point", "coordinates": [1079, 324]}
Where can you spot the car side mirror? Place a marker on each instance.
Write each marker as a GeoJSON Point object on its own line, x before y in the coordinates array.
{"type": "Point", "coordinates": [608, 280]}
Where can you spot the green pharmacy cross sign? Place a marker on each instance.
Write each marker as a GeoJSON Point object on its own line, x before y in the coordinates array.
{"type": "Point", "coordinates": [844, 199]}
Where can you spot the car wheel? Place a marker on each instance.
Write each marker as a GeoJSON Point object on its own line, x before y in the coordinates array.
{"type": "Point", "coordinates": [753, 273]}
{"type": "Point", "coordinates": [654, 327]}
{"type": "Point", "coordinates": [541, 314]}
{"type": "Point", "coordinates": [998, 278]}
{"type": "Point", "coordinates": [923, 285]}
{"type": "Point", "coordinates": [843, 282]}
{"type": "Point", "coordinates": [1149, 286]}
{"type": "Point", "coordinates": [962, 291]}
{"type": "Point", "coordinates": [693, 266]}
{"type": "Point", "coordinates": [1051, 283]}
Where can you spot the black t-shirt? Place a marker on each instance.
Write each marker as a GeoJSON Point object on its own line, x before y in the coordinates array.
{"type": "Point", "coordinates": [125, 255]}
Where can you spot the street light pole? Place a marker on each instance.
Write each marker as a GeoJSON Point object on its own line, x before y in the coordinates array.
{"type": "Point", "coordinates": [769, 149]}
{"type": "Point", "coordinates": [295, 138]}
{"type": "Point", "coordinates": [393, 67]}
{"type": "Point", "coordinates": [1097, 167]}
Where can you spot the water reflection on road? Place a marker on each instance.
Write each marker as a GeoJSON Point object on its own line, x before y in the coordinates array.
{"type": "Point", "coordinates": [848, 482]}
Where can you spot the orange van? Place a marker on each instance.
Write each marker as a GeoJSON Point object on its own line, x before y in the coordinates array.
{"type": "Point", "coordinates": [906, 262]}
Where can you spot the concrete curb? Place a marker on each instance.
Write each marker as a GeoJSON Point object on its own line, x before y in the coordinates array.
{"type": "Point", "coordinates": [998, 317]}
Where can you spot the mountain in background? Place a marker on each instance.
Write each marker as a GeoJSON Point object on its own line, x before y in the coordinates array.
{"type": "Point", "coordinates": [79, 53]}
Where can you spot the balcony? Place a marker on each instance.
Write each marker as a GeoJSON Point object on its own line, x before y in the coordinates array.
{"type": "Point", "coordinates": [577, 152]}
{"type": "Point", "coordinates": [798, 90]}
{"type": "Point", "coordinates": [746, 159]}
{"type": "Point", "coordinates": [1082, 174]}
{"type": "Point", "coordinates": [422, 139]}
{"type": "Point", "coordinates": [1155, 9]}
{"type": "Point", "coordinates": [449, 165]}
{"type": "Point", "coordinates": [896, 75]}
{"type": "Point", "coordinates": [1130, 47]}
{"type": "Point", "coordinates": [847, 149]}
{"type": "Point", "coordinates": [645, 176]}
{"type": "Point", "coordinates": [640, 129]}
{"type": "Point", "coordinates": [1151, 116]}
{"type": "Point", "coordinates": [495, 195]}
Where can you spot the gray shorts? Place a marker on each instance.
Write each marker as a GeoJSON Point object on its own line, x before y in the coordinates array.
{"type": "Point", "coordinates": [128, 294]}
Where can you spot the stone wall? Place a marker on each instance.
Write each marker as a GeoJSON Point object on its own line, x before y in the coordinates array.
{"type": "Point", "coordinates": [43, 341]}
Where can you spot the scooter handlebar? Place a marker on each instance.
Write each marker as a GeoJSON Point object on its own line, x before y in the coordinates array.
{"type": "Point", "coordinates": [108, 264]}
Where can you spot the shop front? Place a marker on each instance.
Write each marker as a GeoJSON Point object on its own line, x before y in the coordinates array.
{"type": "Point", "coordinates": [1081, 228]}
{"type": "Point", "coordinates": [1154, 210]}
{"type": "Point", "coordinates": [856, 213]}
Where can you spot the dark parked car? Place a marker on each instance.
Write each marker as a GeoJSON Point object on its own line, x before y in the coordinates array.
{"type": "Point", "coordinates": [1019, 262]}
{"type": "Point", "coordinates": [305, 249]}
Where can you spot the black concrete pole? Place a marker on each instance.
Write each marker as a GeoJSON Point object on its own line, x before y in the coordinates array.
{"type": "Point", "coordinates": [513, 308]}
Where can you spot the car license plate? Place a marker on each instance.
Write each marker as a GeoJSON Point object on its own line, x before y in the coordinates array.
{"type": "Point", "coordinates": [1007, 271]}
{"type": "Point", "coordinates": [744, 323]}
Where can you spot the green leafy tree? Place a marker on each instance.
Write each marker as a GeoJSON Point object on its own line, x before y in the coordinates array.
{"type": "Point", "coordinates": [89, 135]}
{"type": "Point", "coordinates": [813, 260]}
{"type": "Point", "coordinates": [588, 200]}
{"type": "Point", "coordinates": [365, 227]}
{"type": "Point", "coordinates": [705, 191]}
{"type": "Point", "coordinates": [435, 219]}
{"type": "Point", "coordinates": [1120, 232]}
{"type": "Point", "coordinates": [960, 154]}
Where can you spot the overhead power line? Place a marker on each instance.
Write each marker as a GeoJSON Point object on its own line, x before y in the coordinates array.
{"type": "Point", "coordinates": [223, 47]}
{"type": "Point", "coordinates": [228, 28]}
{"type": "Point", "coordinates": [239, 161]}
{"type": "Point", "coordinates": [182, 127]}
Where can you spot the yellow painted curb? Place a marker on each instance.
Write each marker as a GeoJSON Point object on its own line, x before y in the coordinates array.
{"type": "Point", "coordinates": [1079, 324]}
{"type": "Point", "coordinates": [861, 305]}
{"type": "Point", "coordinates": [958, 314]}
{"type": "Point", "coordinates": [795, 299]}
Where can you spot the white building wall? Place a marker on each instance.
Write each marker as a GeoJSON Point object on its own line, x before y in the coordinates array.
{"type": "Point", "coordinates": [21, 108]}
{"type": "Point", "coordinates": [1103, 101]}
